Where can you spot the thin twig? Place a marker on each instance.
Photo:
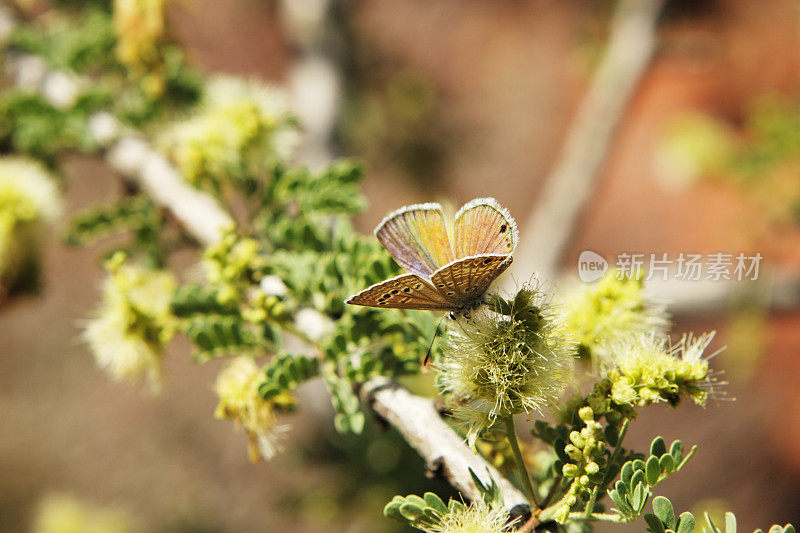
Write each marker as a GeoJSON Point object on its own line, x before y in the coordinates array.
{"type": "Point", "coordinates": [552, 492]}
{"type": "Point", "coordinates": [511, 435]}
{"type": "Point", "coordinates": [604, 517]}
{"type": "Point", "coordinates": [590, 504]}
{"type": "Point", "coordinates": [618, 448]}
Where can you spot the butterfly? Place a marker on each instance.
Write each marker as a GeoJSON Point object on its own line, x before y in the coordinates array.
{"type": "Point", "coordinates": [442, 275]}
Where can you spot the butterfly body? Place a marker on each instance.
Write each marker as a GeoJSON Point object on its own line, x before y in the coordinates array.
{"type": "Point", "coordinates": [442, 275]}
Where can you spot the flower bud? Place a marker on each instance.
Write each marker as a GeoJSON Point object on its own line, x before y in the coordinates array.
{"type": "Point", "coordinates": [577, 439]}
{"type": "Point", "coordinates": [570, 470]}
{"type": "Point", "coordinates": [574, 453]}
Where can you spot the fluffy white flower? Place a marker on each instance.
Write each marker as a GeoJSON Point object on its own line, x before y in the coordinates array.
{"type": "Point", "coordinates": [241, 125]}
{"type": "Point", "coordinates": [499, 365]}
{"type": "Point", "coordinates": [130, 332]}
{"type": "Point", "coordinates": [34, 182]}
{"type": "Point", "coordinates": [29, 199]}
{"type": "Point", "coordinates": [475, 518]}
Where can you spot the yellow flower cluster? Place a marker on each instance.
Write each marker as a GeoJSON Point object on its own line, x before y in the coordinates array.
{"type": "Point", "coordinates": [647, 370]}
{"type": "Point", "coordinates": [29, 200]}
{"type": "Point", "coordinates": [140, 30]}
{"type": "Point", "coordinates": [239, 400]}
{"type": "Point", "coordinates": [241, 128]}
{"type": "Point", "coordinates": [613, 308]}
{"type": "Point", "coordinates": [233, 265]}
{"type": "Point", "coordinates": [134, 324]}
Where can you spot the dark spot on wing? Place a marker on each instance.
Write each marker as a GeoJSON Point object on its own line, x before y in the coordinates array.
{"type": "Point", "coordinates": [487, 260]}
{"type": "Point", "coordinates": [503, 228]}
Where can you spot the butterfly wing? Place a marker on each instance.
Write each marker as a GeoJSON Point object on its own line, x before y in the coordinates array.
{"type": "Point", "coordinates": [464, 281]}
{"type": "Point", "coordinates": [416, 236]}
{"type": "Point", "coordinates": [407, 291]}
{"type": "Point", "coordinates": [484, 227]}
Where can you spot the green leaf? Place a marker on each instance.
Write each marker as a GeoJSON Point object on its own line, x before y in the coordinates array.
{"type": "Point", "coordinates": [639, 498]}
{"type": "Point", "coordinates": [491, 494]}
{"type": "Point", "coordinates": [434, 502]}
{"type": "Point", "coordinates": [638, 477]}
{"type": "Point", "coordinates": [622, 506]}
{"type": "Point", "coordinates": [342, 423]}
{"type": "Point", "coordinates": [653, 523]}
{"type": "Point", "coordinates": [667, 464]}
{"type": "Point", "coordinates": [658, 447]}
{"type": "Point", "coordinates": [653, 470]}
{"type": "Point", "coordinates": [711, 525]}
{"type": "Point", "coordinates": [676, 451]}
{"type": "Point", "coordinates": [357, 421]}
{"type": "Point", "coordinates": [611, 434]}
{"type": "Point", "coordinates": [392, 509]}
{"type": "Point", "coordinates": [627, 473]}
{"type": "Point", "coordinates": [663, 509]}
{"type": "Point", "coordinates": [730, 523]}
{"type": "Point", "coordinates": [411, 511]}
{"type": "Point", "coordinates": [686, 523]}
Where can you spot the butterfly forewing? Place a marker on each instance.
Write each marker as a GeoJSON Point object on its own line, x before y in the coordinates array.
{"type": "Point", "coordinates": [484, 227]}
{"type": "Point", "coordinates": [416, 237]}
{"type": "Point", "coordinates": [443, 277]}
{"type": "Point", "coordinates": [407, 291]}
{"type": "Point", "coordinates": [463, 282]}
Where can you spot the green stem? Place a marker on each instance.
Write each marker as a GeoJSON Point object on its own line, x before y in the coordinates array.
{"type": "Point", "coordinates": [511, 434]}
{"type": "Point", "coordinates": [604, 517]}
{"type": "Point", "coordinates": [618, 448]}
{"type": "Point", "coordinates": [590, 504]}
{"type": "Point", "coordinates": [553, 491]}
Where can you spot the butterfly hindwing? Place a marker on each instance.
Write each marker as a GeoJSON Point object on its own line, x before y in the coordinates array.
{"type": "Point", "coordinates": [407, 291]}
{"type": "Point", "coordinates": [484, 227]}
{"type": "Point", "coordinates": [464, 281]}
{"type": "Point", "coordinates": [416, 237]}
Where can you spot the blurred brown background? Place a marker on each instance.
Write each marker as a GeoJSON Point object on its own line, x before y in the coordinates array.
{"type": "Point", "coordinates": [445, 100]}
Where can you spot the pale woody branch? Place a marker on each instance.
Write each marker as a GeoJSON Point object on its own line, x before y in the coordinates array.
{"type": "Point", "coordinates": [196, 211]}
{"type": "Point", "coordinates": [445, 453]}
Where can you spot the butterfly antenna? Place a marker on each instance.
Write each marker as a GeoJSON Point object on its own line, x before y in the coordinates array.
{"type": "Point", "coordinates": [430, 348]}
